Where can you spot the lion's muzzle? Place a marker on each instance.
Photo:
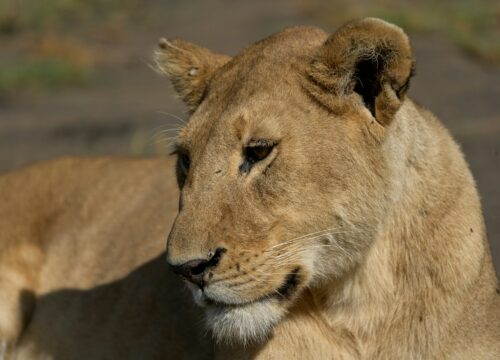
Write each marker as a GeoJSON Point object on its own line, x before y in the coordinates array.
{"type": "Point", "coordinates": [195, 270]}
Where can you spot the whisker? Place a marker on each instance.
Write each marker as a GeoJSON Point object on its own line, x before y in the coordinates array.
{"type": "Point", "coordinates": [274, 273]}
{"type": "Point", "coordinates": [296, 243]}
{"type": "Point", "coordinates": [306, 237]}
{"type": "Point", "coordinates": [166, 139]}
{"type": "Point", "coordinates": [161, 127]}
{"type": "Point", "coordinates": [170, 132]}
{"type": "Point", "coordinates": [285, 258]}
{"type": "Point", "coordinates": [265, 281]}
{"type": "Point", "coordinates": [299, 237]}
{"type": "Point", "coordinates": [165, 131]}
{"type": "Point", "coordinates": [173, 115]}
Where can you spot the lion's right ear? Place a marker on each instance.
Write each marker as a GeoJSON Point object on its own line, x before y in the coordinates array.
{"type": "Point", "coordinates": [368, 61]}
{"type": "Point", "coordinates": [189, 67]}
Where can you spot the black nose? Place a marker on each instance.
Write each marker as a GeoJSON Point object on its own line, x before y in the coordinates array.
{"type": "Point", "coordinates": [194, 270]}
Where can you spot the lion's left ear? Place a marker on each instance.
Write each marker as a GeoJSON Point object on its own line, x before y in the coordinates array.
{"type": "Point", "coordinates": [189, 67]}
{"type": "Point", "coordinates": [369, 60]}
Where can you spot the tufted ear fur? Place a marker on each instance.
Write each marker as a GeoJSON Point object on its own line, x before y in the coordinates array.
{"type": "Point", "coordinates": [189, 67]}
{"type": "Point", "coordinates": [369, 60]}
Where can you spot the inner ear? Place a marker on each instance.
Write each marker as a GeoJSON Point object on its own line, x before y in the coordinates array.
{"type": "Point", "coordinates": [367, 79]}
{"type": "Point", "coordinates": [366, 62]}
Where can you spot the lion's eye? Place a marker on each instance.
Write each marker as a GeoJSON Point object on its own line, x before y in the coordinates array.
{"type": "Point", "coordinates": [255, 153]}
{"type": "Point", "coordinates": [184, 163]}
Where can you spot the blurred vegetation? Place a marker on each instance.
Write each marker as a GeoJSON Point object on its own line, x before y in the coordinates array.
{"type": "Point", "coordinates": [65, 15]}
{"type": "Point", "coordinates": [474, 25]}
{"type": "Point", "coordinates": [43, 73]}
{"type": "Point", "coordinates": [44, 39]}
{"type": "Point", "coordinates": [51, 43]}
{"type": "Point", "coordinates": [48, 62]}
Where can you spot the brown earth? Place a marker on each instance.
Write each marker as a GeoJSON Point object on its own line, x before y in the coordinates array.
{"type": "Point", "coordinates": [126, 104]}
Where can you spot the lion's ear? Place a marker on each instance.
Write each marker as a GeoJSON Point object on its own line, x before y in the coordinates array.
{"type": "Point", "coordinates": [189, 67]}
{"type": "Point", "coordinates": [370, 59]}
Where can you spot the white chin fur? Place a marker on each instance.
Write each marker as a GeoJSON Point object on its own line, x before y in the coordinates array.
{"type": "Point", "coordinates": [239, 324]}
{"type": "Point", "coordinates": [245, 324]}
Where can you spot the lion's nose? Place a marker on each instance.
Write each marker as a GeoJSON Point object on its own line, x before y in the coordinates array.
{"type": "Point", "coordinates": [194, 270]}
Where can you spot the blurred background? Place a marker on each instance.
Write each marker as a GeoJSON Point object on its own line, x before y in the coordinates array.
{"type": "Point", "coordinates": [76, 77]}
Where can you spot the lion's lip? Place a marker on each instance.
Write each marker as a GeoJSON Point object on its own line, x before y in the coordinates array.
{"type": "Point", "coordinates": [284, 292]}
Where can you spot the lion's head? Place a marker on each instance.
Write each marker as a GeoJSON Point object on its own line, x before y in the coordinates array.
{"type": "Point", "coordinates": [281, 167]}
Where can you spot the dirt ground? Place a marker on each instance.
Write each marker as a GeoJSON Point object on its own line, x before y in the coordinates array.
{"type": "Point", "coordinates": [127, 103]}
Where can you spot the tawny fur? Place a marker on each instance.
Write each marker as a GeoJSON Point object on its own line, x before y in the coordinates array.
{"type": "Point", "coordinates": [365, 193]}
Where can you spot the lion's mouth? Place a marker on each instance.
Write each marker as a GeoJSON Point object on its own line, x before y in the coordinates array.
{"type": "Point", "coordinates": [289, 285]}
{"type": "Point", "coordinates": [284, 292]}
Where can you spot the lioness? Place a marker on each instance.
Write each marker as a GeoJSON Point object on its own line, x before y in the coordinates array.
{"type": "Point", "coordinates": [322, 215]}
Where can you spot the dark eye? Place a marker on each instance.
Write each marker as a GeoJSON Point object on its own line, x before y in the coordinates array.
{"type": "Point", "coordinates": [254, 153]}
{"type": "Point", "coordinates": [257, 153]}
{"type": "Point", "coordinates": [184, 163]}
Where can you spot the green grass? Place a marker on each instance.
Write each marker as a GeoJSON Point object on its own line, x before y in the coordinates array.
{"type": "Point", "coordinates": [43, 15]}
{"type": "Point", "coordinates": [50, 54]}
{"type": "Point", "coordinates": [40, 73]}
{"type": "Point", "coordinates": [473, 25]}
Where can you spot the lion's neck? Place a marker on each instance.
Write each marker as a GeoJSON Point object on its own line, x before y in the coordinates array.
{"type": "Point", "coordinates": [428, 251]}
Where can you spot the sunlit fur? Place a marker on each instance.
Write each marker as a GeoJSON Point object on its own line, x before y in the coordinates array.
{"type": "Point", "coordinates": [365, 193]}
{"type": "Point", "coordinates": [360, 235]}
{"type": "Point", "coordinates": [244, 324]}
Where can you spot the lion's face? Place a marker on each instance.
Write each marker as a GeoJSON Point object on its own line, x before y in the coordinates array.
{"type": "Point", "coordinates": [281, 168]}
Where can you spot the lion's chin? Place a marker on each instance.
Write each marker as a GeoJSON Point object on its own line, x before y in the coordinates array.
{"type": "Point", "coordinates": [243, 324]}
{"type": "Point", "coordinates": [239, 324]}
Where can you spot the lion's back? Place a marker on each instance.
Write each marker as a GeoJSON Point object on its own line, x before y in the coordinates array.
{"type": "Point", "coordinates": [99, 287]}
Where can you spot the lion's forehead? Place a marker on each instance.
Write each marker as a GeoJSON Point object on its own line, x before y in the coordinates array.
{"type": "Point", "coordinates": [294, 41]}
{"type": "Point", "coordinates": [248, 92]}
{"type": "Point", "coordinates": [264, 66]}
